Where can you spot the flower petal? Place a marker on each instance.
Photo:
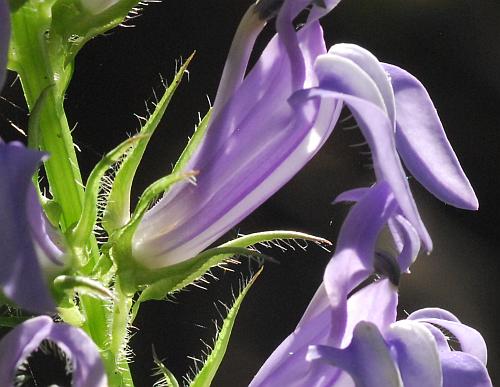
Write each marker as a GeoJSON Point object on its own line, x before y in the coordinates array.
{"type": "Point", "coordinates": [376, 128]}
{"type": "Point", "coordinates": [287, 365]}
{"type": "Point", "coordinates": [463, 370]}
{"type": "Point", "coordinates": [48, 242]}
{"type": "Point", "coordinates": [318, 305]}
{"type": "Point", "coordinates": [352, 195]}
{"type": "Point", "coordinates": [470, 339]}
{"type": "Point", "coordinates": [353, 259]}
{"type": "Point", "coordinates": [4, 38]}
{"type": "Point", "coordinates": [439, 337]}
{"type": "Point", "coordinates": [432, 313]}
{"type": "Point", "coordinates": [239, 54]}
{"type": "Point", "coordinates": [416, 354]}
{"type": "Point", "coordinates": [366, 359]}
{"type": "Point", "coordinates": [253, 148]}
{"type": "Point", "coordinates": [376, 303]}
{"type": "Point", "coordinates": [286, 30]}
{"type": "Point", "coordinates": [373, 68]}
{"type": "Point", "coordinates": [21, 277]}
{"type": "Point", "coordinates": [409, 240]}
{"type": "Point", "coordinates": [19, 343]}
{"type": "Point", "coordinates": [422, 143]}
{"type": "Point", "coordinates": [336, 73]}
{"type": "Point", "coordinates": [342, 79]}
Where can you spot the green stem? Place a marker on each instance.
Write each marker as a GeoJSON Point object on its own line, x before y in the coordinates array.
{"type": "Point", "coordinates": [39, 68]}
{"type": "Point", "coordinates": [116, 361]}
{"type": "Point", "coordinates": [38, 55]}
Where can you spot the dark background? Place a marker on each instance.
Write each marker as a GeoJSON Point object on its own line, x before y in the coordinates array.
{"type": "Point", "coordinates": [452, 46]}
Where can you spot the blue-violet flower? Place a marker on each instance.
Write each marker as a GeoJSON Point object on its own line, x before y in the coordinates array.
{"type": "Point", "coordinates": [397, 117]}
{"type": "Point", "coordinates": [86, 365]}
{"type": "Point", "coordinates": [256, 141]}
{"type": "Point", "coordinates": [354, 328]}
{"type": "Point", "coordinates": [30, 248]}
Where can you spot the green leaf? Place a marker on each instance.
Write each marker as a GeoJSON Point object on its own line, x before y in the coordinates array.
{"type": "Point", "coordinates": [212, 363]}
{"type": "Point", "coordinates": [275, 237]}
{"type": "Point", "coordinates": [80, 234]}
{"type": "Point", "coordinates": [176, 277]}
{"type": "Point", "coordinates": [52, 210]}
{"type": "Point", "coordinates": [34, 120]}
{"type": "Point", "coordinates": [117, 212]}
{"type": "Point", "coordinates": [193, 143]}
{"type": "Point", "coordinates": [168, 379]}
{"type": "Point", "coordinates": [83, 285]}
{"type": "Point", "coordinates": [183, 274]}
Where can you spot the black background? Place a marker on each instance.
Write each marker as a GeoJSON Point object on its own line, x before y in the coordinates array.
{"type": "Point", "coordinates": [452, 46]}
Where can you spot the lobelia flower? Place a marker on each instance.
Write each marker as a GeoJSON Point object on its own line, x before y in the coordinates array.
{"type": "Point", "coordinates": [30, 249]}
{"type": "Point", "coordinates": [256, 141]}
{"type": "Point", "coordinates": [396, 116]}
{"type": "Point", "coordinates": [354, 328]}
{"type": "Point", "coordinates": [15, 348]}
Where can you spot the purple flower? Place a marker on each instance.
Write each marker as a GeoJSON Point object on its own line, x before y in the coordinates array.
{"type": "Point", "coordinates": [30, 249]}
{"type": "Point", "coordinates": [397, 117]}
{"type": "Point", "coordinates": [4, 38]}
{"type": "Point", "coordinates": [256, 141]}
{"type": "Point", "coordinates": [354, 327]}
{"type": "Point", "coordinates": [86, 366]}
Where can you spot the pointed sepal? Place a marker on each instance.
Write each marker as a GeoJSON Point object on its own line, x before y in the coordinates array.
{"type": "Point", "coordinates": [117, 211]}
{"type": "Point", "coordinates": [213, 361]}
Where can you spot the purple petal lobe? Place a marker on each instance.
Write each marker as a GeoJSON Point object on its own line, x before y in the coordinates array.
{"type": "Point", "coordinates": [463, 370]}
{"type": "Point", "coordinates": [432, 313]}
{"type": "Point", "coordinates": [366, 359]}
{"type": "Point", "coordinates": [410, 242]}
{"type": "Point", "coordinates": [423, 145]}
{"type": "Point", "coordinates": [378, 132]}
{"type": "Point", "coordinates": [470, 339]}
{"type": "Point", "coordinates": [370, 64]}
{"type": "Point", "coordinates": [19, 343]}
{"type": "Point", "coordinates": [416, 354]}
{"type": "Point", "coordinates": [48, 242]}
{"type": "Point", "coordinates": [237, 60]}
{"type": "Point", "coordinates": [318, 305]}
{"type": "Point", "coordinates": [361, 306]}
{"type": "Point", "coordinates": [352, 195]}
{"type": "Point", "coordinates": [341, 74]}
{"type": "Point", "coordinates": [439, 337]}
{"type": "Point", "coordinates": [21, 277]}
{"type": "Point", "coordinates": [353, 259]}
{"type": "Point", "coordinates": [4, 38]}
{"type": "Point", "coordinates": [287, 365]}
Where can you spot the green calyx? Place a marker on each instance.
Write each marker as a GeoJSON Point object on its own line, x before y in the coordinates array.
{"type": "Point", "coordinates": [117, 212]}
